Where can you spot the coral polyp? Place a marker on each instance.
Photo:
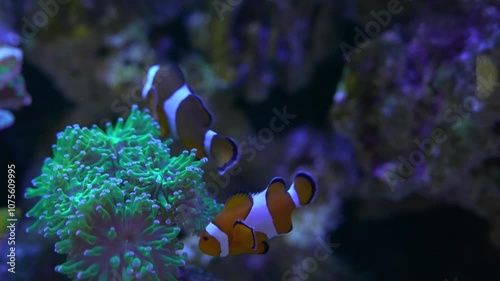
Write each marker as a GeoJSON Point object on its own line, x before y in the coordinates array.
{"type": "Point", "coordinates": [117, 200]}
{"type": "Point", "coordinates": [117, 237]}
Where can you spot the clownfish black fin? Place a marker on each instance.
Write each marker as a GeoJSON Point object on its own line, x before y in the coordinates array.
{"type": "Point", "coordinates": [244, 235]}
{"type": "Point", "coordinates": [305, 187]}
{"type": "Point", "coordinates": [225, 152]}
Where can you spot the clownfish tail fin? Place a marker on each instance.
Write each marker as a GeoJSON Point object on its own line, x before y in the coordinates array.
{"type": "Point", "coordinates": [304, 189]}
{"type": "Point", "coordinates": [224, 151]}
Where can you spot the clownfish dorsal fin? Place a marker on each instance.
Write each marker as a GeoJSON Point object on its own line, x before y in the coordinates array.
{"type": "Point", "coordinates": [280, 206]}
{"type": "Point", "coordinates": [239, 200]}
{"type": "Point", "coordinates": [244, 235]}
{"type": "Point", "coordinates": [162, 120]}
{"type": "Point", "coordinates": [277, 185]}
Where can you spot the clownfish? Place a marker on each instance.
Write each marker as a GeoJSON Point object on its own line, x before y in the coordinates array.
{"type": "Point", "coordinates": [249, 220]}
{"type": "Point", "coordinates": [182, 113]}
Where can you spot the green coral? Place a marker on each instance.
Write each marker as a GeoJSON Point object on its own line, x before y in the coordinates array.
{"type": "Point", "coordinates": [117, 201]}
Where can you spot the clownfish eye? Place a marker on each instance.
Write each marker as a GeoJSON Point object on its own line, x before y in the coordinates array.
{"type": "Point", "coordinates": [205, 238]}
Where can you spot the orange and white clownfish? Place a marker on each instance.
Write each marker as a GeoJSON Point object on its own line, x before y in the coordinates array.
{"type": "Point", "coordinates": [182, 113]}
{"type": "Point", "coordinates": [248, 220]}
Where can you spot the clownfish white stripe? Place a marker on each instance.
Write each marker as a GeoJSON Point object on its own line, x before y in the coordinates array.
{"type": "Point", "coordinates": [149, 80]}
{"type": "Point", "coordinates": [260, 218]}
{"type": "Point", "coordinates": [218, 234]}
{"type": "Point", "coordinates": [172, 104]}
{"type": "Point", "coordinates": [294, 195]}
{"type": "Point", "coordinates": [207, 143]}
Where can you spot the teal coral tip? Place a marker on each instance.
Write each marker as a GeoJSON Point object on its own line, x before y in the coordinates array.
{"type": "Point", "coordinates": [116, 200]}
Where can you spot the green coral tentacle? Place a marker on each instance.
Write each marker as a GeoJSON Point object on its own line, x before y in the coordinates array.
{"type": "Point", "coordinates": [117, 200]}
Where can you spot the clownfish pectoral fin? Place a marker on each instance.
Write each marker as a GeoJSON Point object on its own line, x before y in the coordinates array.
{"type": "Point", "coordinates": [244, 235]}
{"type": "Point", "coordinates": [280, 206]}
{"type": "Point", "coordinates": [303, 189]}
{"type": "Point", "coordinates": [162, 120]}
{"type": "Point", "coordinates": [151, 104]}
{"type": "Point", "coordinates": [224, 151]}
{"type": "Point", "coordinates": [262, 248]}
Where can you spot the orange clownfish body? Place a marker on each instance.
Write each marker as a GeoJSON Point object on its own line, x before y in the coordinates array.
{"type": "Point", "coordinates": [249, 220]}
{"type": "Point", "coordinates": [183, 114]}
